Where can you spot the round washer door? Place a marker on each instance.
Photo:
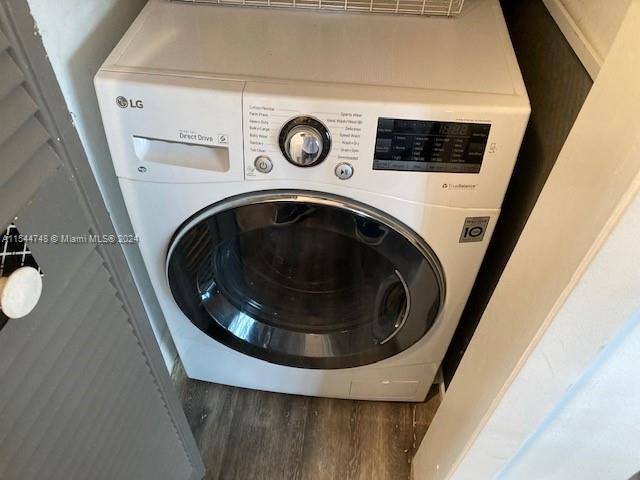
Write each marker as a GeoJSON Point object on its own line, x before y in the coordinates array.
{"type": "Point", "coordinates": [305, 279]}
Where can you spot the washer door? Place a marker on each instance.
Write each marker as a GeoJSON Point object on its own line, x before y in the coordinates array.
{"type": "Point", "coordinates": [305, 279]}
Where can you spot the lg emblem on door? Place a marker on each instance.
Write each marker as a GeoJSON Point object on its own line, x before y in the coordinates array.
{"type": "Point", "coordinates": [123, 102]}
{"type": "Point", "coordinates": [473, 229]}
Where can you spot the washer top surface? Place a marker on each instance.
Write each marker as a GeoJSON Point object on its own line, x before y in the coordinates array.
{"type": "Point", "coordinates": [469, 53]}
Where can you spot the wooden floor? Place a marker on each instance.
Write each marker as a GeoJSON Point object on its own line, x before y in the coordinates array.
{"type": "Point", "coordinates": [246, 435]}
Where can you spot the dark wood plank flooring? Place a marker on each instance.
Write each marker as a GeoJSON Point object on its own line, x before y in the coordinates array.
{"type": "Point", "coordinates": [246, 434]}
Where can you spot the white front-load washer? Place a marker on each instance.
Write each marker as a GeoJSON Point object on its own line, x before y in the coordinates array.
{"type": "Point", "coordinates": [313, 192]}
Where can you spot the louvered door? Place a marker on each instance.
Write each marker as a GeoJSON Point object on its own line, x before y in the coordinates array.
{"type": "Point", "coordinates": [83, 394]}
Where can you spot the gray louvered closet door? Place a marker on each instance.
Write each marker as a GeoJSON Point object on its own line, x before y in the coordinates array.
{"type": "Point", "coordinates": [83, 393]}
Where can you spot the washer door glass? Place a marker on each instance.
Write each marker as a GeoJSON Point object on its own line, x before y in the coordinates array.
{"type": "Point", "coordinates": [305, 279]}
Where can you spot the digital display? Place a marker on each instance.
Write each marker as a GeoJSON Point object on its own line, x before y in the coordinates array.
{"type": "Point", "coordinates": [430, 146]}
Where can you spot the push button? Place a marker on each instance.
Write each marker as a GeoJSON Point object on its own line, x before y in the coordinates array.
{"type": "Point", "coordinates": [263, 164]}
{"type": "Point", "coordinates": [344, 171]}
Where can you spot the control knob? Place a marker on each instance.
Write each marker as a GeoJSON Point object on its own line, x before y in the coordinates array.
{"type": "Point", "coordinates": [304, 141]}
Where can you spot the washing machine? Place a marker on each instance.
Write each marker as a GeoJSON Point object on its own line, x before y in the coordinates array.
{"type": "Point", "coordinates": [313, 192]}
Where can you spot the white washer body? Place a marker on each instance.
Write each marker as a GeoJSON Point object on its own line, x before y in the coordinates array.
{"type": "Point", "coordinates": [214, 85]}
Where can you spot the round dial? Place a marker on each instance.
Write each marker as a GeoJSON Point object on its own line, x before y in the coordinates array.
{"type": "Point", "coordinates": [305, 141]}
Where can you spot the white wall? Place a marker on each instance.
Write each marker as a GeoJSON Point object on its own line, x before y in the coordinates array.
{"type": "Point", "coordinates": [546, 386]}
{"type": "Point", "coordinates": [592, 434]}
{"type": "Point", "coordinates": [78, 35]}
{"type": "Point", "coordinates": [570, 411]}
{"type": "Point", "coordinates": [590, 26]}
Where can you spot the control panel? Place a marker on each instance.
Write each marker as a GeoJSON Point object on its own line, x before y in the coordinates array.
{"type": "Point", "coordinates": [412, 145]}
{"type": "Point", "coordinates": [285, 142]}
{"type": "Point", "coordinates": [406, 145]}
{"type": "Point", "coordinates": [430, 146]}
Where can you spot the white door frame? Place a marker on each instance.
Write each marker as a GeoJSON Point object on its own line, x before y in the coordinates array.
{"type": "Point", "coordinates": [570, 288]}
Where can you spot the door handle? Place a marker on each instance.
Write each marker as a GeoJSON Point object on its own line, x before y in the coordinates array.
{"type": "Point", "coordinates": [20, 292]}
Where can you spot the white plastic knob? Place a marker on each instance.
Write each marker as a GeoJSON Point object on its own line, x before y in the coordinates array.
{"type": "Point", "coordinates": [20, 292]}
{"type": "Point", "coordinates": [304, 145]}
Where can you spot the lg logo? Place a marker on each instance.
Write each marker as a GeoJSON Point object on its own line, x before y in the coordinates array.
{"type": "Point", "coordinates": [122, 102]}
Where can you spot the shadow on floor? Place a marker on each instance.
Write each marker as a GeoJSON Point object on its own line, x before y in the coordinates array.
{"type": "Point", "coordinates": [248, 435]}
